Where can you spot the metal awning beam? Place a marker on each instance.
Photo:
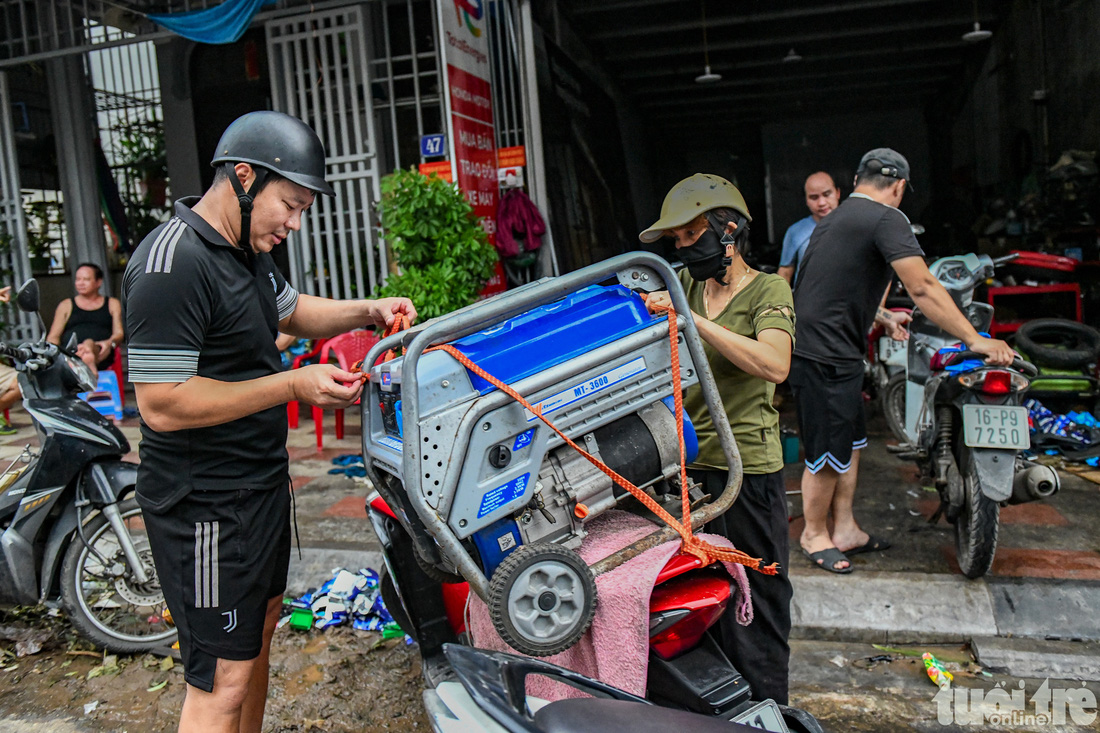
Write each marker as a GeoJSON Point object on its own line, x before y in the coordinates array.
{"type": "Point", "coordinates": [652, 72]}
{"type": "Point", "coordinates": [715, 102]}
{"type": "Point", "coordinates": [899, 71]}
{"type": "Point", "coordinates": [715, 22]}
{"type": "Point", "coordinates": [881, 30]}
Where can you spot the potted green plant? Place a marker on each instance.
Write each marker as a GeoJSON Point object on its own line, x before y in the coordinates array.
{"type": "Point", "coordinates": [141, 149]}
{"type": "Point", "coordinates": [42, 217]}
{"type": "Point", "coordinates": [443, 253]}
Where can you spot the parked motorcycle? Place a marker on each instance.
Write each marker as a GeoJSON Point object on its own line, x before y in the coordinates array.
{"type": "Point", "coordinates": [965, 425]}
{"type": "Point", "coordinates": [72, 532]}
{"type": "Point", "coordinates": [472, 491]}
{"type": "Point", "coordinates": [489, 696]}
{"type": "Point", "coordinates": [687, 668]}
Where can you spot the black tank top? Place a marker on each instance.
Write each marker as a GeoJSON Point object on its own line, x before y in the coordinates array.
{"type": "Point", "coordinates": [95, 325]}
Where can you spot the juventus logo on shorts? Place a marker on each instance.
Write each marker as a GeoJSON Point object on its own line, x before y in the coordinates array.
{"type": "Point", "coordinates": [231, 616]}
{"type": "Point", "coordinates": [206, 565]}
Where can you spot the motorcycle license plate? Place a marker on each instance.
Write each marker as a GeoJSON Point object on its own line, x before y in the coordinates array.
{"type": "Point", "coordinates": [994, 426]}
{"type": "Point", "coordinates": [763, 715]}
{"type": "Point", "coordinates": [892, 352]}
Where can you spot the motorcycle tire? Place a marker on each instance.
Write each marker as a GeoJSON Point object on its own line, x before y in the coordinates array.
{"type": "Point", "coordinates": [893, 406]}
{"type": "Point", "coordinates": [393, 603]}
{"type": "Point", "coordinates": [109, 609]}
{"type": "Point", "coordinates": [1059, 342]}
{"type": "Point", "coordinates": [976, 526]}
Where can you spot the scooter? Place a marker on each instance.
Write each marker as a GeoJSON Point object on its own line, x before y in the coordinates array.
{"type": "Point", "coordinates": [965, 424]}
{"type": "Point", "coordinates": [475, 496]}
{"type": "Point", "coordinates": [72, 532]}
{"type": "Point", "coordinates": [489, 696]}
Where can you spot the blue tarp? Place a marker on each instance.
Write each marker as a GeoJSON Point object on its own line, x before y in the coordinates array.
{"type": "Point", "coordinates": [224, 23]}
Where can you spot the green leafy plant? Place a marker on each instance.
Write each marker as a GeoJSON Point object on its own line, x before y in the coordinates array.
{"type": "Point", "coordinates": [442, 250]}
{"type": "Point", "coordinates": [141, 148]}
{"type": "Point", "coordinates": [44, 219]}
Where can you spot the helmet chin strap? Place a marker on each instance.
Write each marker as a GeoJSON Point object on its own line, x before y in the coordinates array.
{"type": "Point", "coordinates": [245, 199]}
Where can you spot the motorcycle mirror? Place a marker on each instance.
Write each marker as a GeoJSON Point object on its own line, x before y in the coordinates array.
{"type": "Point", "coordinates": [70, 345]}
{"type": "Point", "coordinates": [28, 298]}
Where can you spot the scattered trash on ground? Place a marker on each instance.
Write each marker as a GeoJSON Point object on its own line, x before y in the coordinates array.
{"type": "Point", "coordinates": [1062, 434]}
{"type": "Point", "coordinates": [936, 671]}
{"type": "Point", "coordinates": [346, 596]}
{"type": "Point", "coordinates": [90, 707]}
{"type": "Point", "coordinates": [28, 641]}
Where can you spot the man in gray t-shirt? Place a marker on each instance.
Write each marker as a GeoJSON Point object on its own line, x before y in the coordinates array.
{"type": "Point", "coordinates": [841, 284]}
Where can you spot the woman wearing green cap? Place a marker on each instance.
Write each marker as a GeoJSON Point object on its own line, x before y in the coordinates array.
{"type": "Point", "coordinates": [746, 320]}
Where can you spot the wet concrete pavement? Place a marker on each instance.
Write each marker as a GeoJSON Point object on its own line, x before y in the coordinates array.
{"type": "Point", "coordinates": [1044, 588]}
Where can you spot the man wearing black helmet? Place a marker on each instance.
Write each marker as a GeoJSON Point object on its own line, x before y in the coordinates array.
{"type": "Point", "coordinates": [203, 303]}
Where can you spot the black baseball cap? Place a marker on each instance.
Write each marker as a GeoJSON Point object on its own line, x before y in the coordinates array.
{"type": "Point", "coordinates": [891, 164]}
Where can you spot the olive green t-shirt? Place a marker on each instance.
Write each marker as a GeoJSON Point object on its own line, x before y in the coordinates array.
{"type": "Point", "coordinates": [765, 303]}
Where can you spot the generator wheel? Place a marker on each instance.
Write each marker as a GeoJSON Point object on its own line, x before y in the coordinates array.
{"type": "Point", "coordinates": [542, 599]}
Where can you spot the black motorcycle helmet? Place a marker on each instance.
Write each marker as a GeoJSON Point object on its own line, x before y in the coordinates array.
{"type": "Point", "coordinates": [271, 141]}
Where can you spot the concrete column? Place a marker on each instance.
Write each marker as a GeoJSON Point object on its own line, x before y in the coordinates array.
{"type": "Point", "coordinates": [184, 164]}
{"type": "Point", "coordinates": [74, 126]}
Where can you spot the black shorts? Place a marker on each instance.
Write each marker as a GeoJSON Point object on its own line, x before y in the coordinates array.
{"type": "Point", "coordinates": [220, 555]}
{"type": "Point", "coordinates": [831, 421]}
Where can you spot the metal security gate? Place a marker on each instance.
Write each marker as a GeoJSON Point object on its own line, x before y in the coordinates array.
{"type": "Point", "coordinates": [319, 73]}
{"type": "Point", "coordinates": [13, 244]}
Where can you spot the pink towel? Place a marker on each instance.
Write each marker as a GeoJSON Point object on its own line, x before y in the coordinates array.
{"type": "Point", "coordinates": [615, 650]}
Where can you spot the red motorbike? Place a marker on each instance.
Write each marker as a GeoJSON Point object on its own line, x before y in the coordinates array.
{"type": "Point", "coordinates": [687, 668]}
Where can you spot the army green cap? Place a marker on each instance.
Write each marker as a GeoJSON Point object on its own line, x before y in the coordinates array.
{"type": "Point", "coordinates": [691, 197]}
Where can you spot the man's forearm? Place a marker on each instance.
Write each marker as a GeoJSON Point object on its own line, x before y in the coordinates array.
{"type": "Point", "coordinates": [323, 317]}
{"type": "Point", "coordinates": [201, 402]}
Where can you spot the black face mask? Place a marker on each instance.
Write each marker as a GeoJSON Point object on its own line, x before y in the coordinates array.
{"type": "Point", "coordinates": [706, 258]}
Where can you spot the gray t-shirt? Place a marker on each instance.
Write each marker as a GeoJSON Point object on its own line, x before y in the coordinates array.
{"type": "Point", "coordinates": [843, 275]}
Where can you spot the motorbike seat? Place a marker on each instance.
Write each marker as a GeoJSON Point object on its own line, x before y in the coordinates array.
{"type": "Point", "coordinates": [613, 716]}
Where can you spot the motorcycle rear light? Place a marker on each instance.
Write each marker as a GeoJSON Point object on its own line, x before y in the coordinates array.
{"type": "Point", "coordinates": [997, 382]}
{"type": "Point", "coordinates": [994, 381]}
{"type": "Point", "coordinates": [681, 611]}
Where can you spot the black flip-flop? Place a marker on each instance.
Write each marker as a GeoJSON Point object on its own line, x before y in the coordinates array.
{"type": "Point", "coordinates": [828, 558]}
{"type": "Point", "coordinates": [873, 544]}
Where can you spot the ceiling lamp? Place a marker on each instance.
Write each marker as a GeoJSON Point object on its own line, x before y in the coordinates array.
{"type": "Point", "coordinates": [791, 57]}
{"type": "Point", "coordinates": [976, 35]}
{"type": "Point", "coordinates": [707, 77]}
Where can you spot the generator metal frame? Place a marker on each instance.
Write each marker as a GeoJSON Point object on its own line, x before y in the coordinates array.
{"type": "Point", "coordinates": [638, 271]}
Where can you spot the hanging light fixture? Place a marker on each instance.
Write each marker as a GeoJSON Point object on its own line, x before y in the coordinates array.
{"type": "Point", "coordinates": [792, 56]}
{"type": "Point", "coordinates": [977, 34]}
{"type": "Point", "coordinates": [707, 77]}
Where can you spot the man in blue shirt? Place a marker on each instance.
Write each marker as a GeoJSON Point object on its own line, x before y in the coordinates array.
{"type": "Point", "coordinates": [822, 197]}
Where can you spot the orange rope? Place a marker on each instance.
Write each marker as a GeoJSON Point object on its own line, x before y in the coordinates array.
{"type": "Point", "coordinates": [690, 544]}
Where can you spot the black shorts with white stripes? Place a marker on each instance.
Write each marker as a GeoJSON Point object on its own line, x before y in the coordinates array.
{"type": "Point", "coordinates": [220, 556]}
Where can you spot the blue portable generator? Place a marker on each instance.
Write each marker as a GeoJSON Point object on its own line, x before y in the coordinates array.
{"type": "Point", "coordinates": [487, 491]}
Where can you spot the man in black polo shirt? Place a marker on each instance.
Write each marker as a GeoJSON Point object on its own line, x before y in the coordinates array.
{"type": "Point", "coordinates": [841, 284]}
{"type": "Point", "coordinates": [203, 304]}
